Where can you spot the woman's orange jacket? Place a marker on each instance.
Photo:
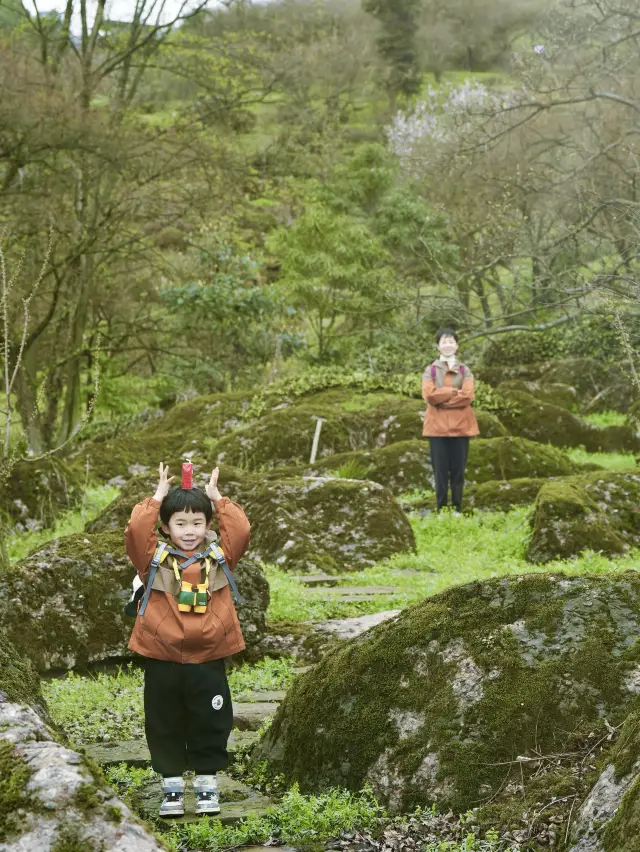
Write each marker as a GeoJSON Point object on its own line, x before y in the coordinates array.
{"type": "Point", "coordinates": [165, 633]}
{"type": "Point", "coordinates": [449, 397]}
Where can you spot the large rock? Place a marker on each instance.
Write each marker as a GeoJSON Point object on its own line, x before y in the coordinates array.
{"type": "Point", "coordinates": [36, 494]}
{"type": "Point", "coordinates": [51, 799]}
{"type": "Point", "coordinates": [353, 422]}
{"type": "Point", "coordinates": [599, 386]}
{"type": "Point", "coordinates": [187, 429]}
{"type": "Point", "coordinates": [540, 421]}
{"type": "Point", "coordinates": [451, 701]}
{"type": "Point", "coordinates": [594, 512]}
{"type": "Point", "coordinates": [563, 396]}
{"type": "Point", "coordinates": [62, 606]}
{"type": "Point", "coordinates": [406, 465]}
{"type": "Point", "coordinates": [609, 818]}
{"type": "Point", "coordinates": [301, 523]}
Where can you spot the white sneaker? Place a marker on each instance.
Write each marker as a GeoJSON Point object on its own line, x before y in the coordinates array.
{"type": "Point", "coordinates": [206, 789]}
{"type": "Point", "coordinates": [173, 802]}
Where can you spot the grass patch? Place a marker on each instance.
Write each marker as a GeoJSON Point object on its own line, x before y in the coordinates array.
{"type": "Point", "coordinates": [450, 551]}
{"type": "Point", "coordinates": [352, 469]}
{"type": "Point", "coordinates": [296, 819]}
{"type": "Point", "coordinates": [605, 418]}
{"type": "Point", "coordinates": [609, 461]}
{"type": "Point", "coordinates": [267, 674]}
{"type": "Point", "coordinates": [69, 523]}
{"type": "Point", "coordinates": [89, 707]}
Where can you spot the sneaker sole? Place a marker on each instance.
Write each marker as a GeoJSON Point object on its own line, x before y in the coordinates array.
{"type": "Point", "coordinates": [175, 813]}
{"type": "Point", "coordinates": [207, 811]}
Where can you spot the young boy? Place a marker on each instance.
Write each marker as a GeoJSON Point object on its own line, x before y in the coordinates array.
{"type": "Point", "coordinates": [187, 703]}
{"type": "Point", "coordinates": [447, 388]}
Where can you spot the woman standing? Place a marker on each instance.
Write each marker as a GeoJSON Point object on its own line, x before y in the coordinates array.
{"type": "Point", "coordinates": [447, 388]}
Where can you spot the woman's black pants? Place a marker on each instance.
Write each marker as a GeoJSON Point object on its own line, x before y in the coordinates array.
{"type": "Point", "coordinates": [449, 460]}
{"type": "Point", "coordinates": [188, 716]}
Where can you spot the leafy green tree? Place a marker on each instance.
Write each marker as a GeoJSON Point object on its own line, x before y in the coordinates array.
{"type": "Point", "coordinates": [397, 45]}
{"type": "Point", "coordinates": [335, 272]}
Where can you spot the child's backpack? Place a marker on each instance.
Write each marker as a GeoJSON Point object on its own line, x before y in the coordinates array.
{"type": "Point", "coordinates": [162, 551]}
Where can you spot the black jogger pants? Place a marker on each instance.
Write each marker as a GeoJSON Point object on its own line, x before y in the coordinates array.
{"type": "Point", "coordinates": [449, 460]}
{"type": "Point", "coordinates": [188, 716]}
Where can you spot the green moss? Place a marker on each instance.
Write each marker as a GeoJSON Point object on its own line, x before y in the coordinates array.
{"type": "Point", "coordinates": [489, 425]}
{"type": "Point", "coordinates": [545, 423]}
{"type": "Point", "coordinates": [595, 512]}
{"type": "Point", "coordinates": [113, 814]}
{"type": "Point", "coordinates": [502, 496]}
{"type": "Point", "coordinates": [622, 833]}
{"type": "Point", "coordinates": [285, 436]}
{"type": "Point", "coordinates": [555, 393]}
{"type": "Point", "coordinates": [14, 776]}
{"type": "Point", "coordinates": [39, 492]}
{"type": "Point", "coordinates": [627, 749]}
{"type": "Point", "coordinates": [19, 679]}
{"type": "Point", "coordinates": [547, 654]}
{"type": "Point", "coordinates": [186, 427]}
{"type": "Point", "coordinates": [86, 797]}
{"type": "Point", "coordinates": [77, 619]}
{"type": "Point", "coordinates": [70, 837]}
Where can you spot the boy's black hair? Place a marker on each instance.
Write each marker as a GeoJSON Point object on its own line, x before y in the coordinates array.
{"type": "Point", "coordinates": [446, 332]}
{"type": "Point", "coordinates": [185, 500]}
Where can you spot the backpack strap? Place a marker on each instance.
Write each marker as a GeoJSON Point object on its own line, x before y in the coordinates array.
{"type": "Point", "coordinates": [220, 558]}
{"type": "Point", "coordinates": [160, 554]}
{"type": "Point", "coordinates": [462, 369]}
{"type": "Point", "coordinates": [218, 553]}
{"type": "Point", "coordinates": [433, 373]}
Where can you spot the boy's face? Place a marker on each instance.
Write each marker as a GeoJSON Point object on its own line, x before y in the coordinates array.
{"type": "Point", "coordinates": [447, 345]}
{"type": "Point", "coordinates": [187, 530]}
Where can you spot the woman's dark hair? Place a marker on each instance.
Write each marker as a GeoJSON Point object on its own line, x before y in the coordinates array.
{"type": "Point", "coordinates": [185, 500]}
{"type": "Point", "coordinates": [446, 332]}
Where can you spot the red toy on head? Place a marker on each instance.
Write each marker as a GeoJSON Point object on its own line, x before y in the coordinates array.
{"type": "Point", "coordinates": [187, 475]}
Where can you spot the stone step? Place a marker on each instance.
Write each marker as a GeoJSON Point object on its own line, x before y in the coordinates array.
{"type": "Point", "coordinates": [237, 801]}
{"type": "Point", "coordinates": [136, 753]}
{"type": "Point", "coordinates": [261, 696]}
{"type": "Point", "coordinates": [249, 716]}
{"type": "Point", "coordinates": [357, 591]}
{"type": "Point", "coordinates": [317, 579]}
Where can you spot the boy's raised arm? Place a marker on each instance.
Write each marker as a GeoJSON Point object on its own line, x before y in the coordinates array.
{"type": "Point", "coordinates": [140, 534]}
{"type": "Point", "coordinates": [234, 524]}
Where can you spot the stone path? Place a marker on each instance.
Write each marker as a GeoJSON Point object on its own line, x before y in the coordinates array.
{"type": "Point", "coordinates": [237, 801]}
{"type": "Point", "coordinates": [136, 753]}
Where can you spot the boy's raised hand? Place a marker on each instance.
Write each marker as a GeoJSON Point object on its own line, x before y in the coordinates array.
{"type": "Point", "coordinates": [164, 483]}
{"type": "Point", "coordinates": [212, 488]}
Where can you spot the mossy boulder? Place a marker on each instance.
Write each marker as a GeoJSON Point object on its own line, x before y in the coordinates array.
{"type": "Point", "coordinates": [545, 423]}
{"type": "Point", "coordinates": [609, 818]}
{"type": "Point", "coordinates": [406, 465]}
{"type": "Point", "coordinates": [555, 393]}
{"type": "Point", "coordinates": [62, 606]}
{"type": "Point", "coordinates": [52, 798]}
{"type": "Point", "coordinates": [37, 493]}
{"type": "Point", "coordinates": [598, 386]}
{"type": "Point", "coordinates": [352, 422]}
{"type": "Point", "coordinates": [301, 523]}
{"type": "Point", "coordinates": [445, 702]}
{"type": "Point", "coordinates": [598, 512]}
{"type": "Point", "coordinates": [186, 429]}
{"type": "Point", "coordinates": [500, 496]}
{"type": "Point", "coordinates": [19, 680]}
